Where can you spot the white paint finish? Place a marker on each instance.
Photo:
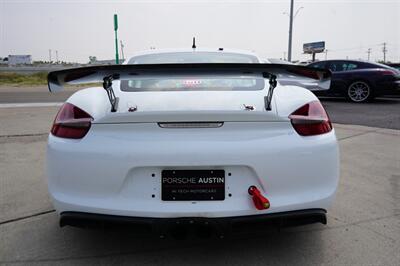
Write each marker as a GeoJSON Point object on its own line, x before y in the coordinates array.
{"type": "Point", "coordinates": [197, 50]}
{"type": "Point", "coordinates": [191, 100]}
{"type": "Point", "coordinates": [191, 116]}
{"type": "Point", "coordinates": [290, 98]}
{"type": "Point", "coordinates": [95, 173]}
{"type": "Point", "coordinates": [93, 100]}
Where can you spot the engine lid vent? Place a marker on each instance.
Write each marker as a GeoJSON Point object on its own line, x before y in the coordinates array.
{"type": "Point", "coordinates": [190, 124]}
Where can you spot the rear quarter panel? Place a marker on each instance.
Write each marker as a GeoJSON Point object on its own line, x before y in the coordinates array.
{"type": "Point", "coordinates": [290, 98]}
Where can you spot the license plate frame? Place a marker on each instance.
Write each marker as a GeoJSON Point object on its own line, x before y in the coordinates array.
{"type": "Point", "coordinates": [193, 185]}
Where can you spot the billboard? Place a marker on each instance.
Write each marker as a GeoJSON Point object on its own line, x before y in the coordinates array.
{"type": "Point", "coordinates": [19, 60]}
{"type": "Point", "coordinates": [313, 47]}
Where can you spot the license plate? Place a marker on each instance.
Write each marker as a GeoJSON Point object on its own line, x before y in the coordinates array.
{"type": "Point", "coordinates": [192, 185]}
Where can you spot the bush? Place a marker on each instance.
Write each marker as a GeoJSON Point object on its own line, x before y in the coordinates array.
{"type": "Point", "coordinates": [11, 78]}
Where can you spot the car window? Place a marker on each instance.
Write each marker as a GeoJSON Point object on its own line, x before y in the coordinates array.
{"type": "Point", "coordinates": [318, 65]}
{"type": "Point", "coordinates": [336, 66]}
{"type": "Point", "coordinates": [349, 66]}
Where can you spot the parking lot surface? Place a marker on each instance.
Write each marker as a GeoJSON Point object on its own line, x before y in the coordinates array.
{"type": "Point", "coordinates": [363, 224]}
{"type": "Point", "coordinates": [382, 112]}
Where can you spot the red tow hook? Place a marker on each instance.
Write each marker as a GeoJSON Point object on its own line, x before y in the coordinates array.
{"type": "Point", "coordinates": [261, 202]}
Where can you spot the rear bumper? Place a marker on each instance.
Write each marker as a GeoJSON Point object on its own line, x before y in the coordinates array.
{"type": "Point", "coordinates": [389, 88]}
{"type": "Point", "coordinates": [122, 176]}
{"type": "Point", "coordinates": [223, 225]}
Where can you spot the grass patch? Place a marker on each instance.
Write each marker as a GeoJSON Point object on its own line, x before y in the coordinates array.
{"type": "Point", "coordinates": [10, 78]}
{"type": "Point", "coordinates": [36, 79]}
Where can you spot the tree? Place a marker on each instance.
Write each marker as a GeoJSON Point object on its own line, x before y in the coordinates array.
{"type": "Point", "coordinates": [92, 59]}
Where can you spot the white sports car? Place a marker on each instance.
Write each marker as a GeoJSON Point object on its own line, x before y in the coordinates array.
{"type": "Point", "coordinates": [197, 137]}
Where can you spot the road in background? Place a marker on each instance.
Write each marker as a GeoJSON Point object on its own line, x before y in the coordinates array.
{"type": "Point", "coordinates": [32, 95]}
{"type": "Point", "coordinates": [383, 112]}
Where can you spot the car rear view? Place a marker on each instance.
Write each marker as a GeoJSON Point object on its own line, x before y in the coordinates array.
{"type": "Point", "coordinates": [192, 146]}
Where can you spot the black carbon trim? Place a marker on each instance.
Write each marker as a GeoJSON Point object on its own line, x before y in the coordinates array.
{"type": "Point", "coordinates": [222, 225]}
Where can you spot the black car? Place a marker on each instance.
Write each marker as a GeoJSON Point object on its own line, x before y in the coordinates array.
{"type": "Point", "coordinates": [359, 81]}
{"type": "Point", "coordinates": [394, 65]}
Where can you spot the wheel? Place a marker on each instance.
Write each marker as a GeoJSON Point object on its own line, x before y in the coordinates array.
{"type": "Point", "coordinates": [359, 91]}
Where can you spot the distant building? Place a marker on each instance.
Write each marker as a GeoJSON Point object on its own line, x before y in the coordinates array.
{"type": "Point", "coordinates": [103, 62]}
{"type": "Point", "coordinates": [94, 61]}
{"type": "Point", "coordinates": [19, 60]}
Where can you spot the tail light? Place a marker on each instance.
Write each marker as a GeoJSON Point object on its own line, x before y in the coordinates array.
{"type": "Point", "coordinates": [311, 119]}
{"type": "Point", "coordinates": [387, 72]}
{"type": "Point", "coordinates": [71, 122]}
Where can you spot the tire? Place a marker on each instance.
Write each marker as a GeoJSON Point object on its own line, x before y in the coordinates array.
{"type": "Point", "coordinates": [359, 92]}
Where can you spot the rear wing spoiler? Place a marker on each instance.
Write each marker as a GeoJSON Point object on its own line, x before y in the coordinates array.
{"type": "Point", "coordinates": [286, 74]}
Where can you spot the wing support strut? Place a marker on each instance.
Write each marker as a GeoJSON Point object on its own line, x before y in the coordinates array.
{"type": "Point", "coordinates": [107, 85]}
{"type": "Point", "coordinates": [272, 85]}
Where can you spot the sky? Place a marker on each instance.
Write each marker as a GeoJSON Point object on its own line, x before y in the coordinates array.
{"type": "Point", "coordinates": [79, 29]}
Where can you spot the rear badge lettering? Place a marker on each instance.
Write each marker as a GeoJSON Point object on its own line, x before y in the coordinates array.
{"type": "Point", "coordinates": [211, 180]}
{"type": "Point", "coordinates": [192, 180]}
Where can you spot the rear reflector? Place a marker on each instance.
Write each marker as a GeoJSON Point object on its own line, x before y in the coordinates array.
{"type": "Point", "coordinates": [71, 122]}
{"type": "Point", "coordinates": [311, 119]}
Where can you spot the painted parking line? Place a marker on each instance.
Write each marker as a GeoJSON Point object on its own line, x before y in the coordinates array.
{"type": "Point", "coordinates": [14, 105]}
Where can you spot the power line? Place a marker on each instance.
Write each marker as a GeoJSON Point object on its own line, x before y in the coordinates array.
{"type": "Point", "coordinates": [122, 50]}
{"type": "Point", "coordinates": [384, 50]}
{"type": "Point", "coordinates": [290, 31]}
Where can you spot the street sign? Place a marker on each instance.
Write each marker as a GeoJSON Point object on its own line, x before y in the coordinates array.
{"type": "Point", "coordinates": [115, 22]}
{"type": "Point", "coordinates": [116, 38]}
{"type": "Point", "coordinates": [313, 47]}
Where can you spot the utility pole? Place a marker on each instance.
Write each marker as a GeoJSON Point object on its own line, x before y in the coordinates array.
{"type": "Point", "coordinates": [122, 50]}
{"type": "Point", "coordinates": [369, 53]}
{"type": "Point", "coordinates": [384, 50]}
{"type": "Point", "coordinates": [116, 38]}
{"type": "Point", "coordinates": [326, 54]}
{"type": "Point", "coordinates": [290, 31]}
{"type": "Point", "coordinates": [57, 56]}
{"type": "Point", "coordinates": [50, 56]}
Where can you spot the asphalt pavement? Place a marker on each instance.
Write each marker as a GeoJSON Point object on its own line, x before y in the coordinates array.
{"type": "Point", "coordinates": [9, 94]}
{"type": "Point", "coordinates": [383, 112]}
{"type": "Point", "coordinates": [363, 224]}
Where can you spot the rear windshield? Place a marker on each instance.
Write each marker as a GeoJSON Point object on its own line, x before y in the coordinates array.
{"type": "Point", "coordinates": [379, 65]}
{"type": "Point", "coordinates": [193, 83]}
